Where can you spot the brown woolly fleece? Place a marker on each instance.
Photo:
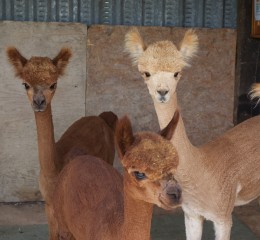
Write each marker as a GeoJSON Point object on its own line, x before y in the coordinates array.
{"type": "Point", "coordinates": [89, 135]}
{"type": "Point", "coordinates": [94, 202]}
{"type": "Point", "coordinates": [161, 160]}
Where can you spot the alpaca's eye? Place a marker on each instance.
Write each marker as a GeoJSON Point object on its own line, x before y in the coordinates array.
{"type": "Point", "coordinates": [147, 74]}
{"type": "Point", "coordinates": [139, 175]}
{"type": "Point", "coordinates": [176, 74]}
{"type": "Point", "coordinates": [26, 86]}
{"type": "Point", "coordinates": [53, 86]}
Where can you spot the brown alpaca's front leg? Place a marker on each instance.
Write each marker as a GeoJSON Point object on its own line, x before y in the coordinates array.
{"type": "Point", "coordinates": [52, 223]}
{"type": "Point", "coordinates": [67, 236]}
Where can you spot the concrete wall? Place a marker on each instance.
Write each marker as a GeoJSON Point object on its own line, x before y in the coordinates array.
{"type": "Point", "coordinates": [206, 92]}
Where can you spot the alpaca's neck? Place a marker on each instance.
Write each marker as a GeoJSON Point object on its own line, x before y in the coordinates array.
{"type": "Point", "coordinates": [137, 218]}
{"type": "Point", "coordinates": [46, 142]}
{"type": "Point", "coordinates": [165, 111]}
{"type": "Point", "coordinates": [180, 140]}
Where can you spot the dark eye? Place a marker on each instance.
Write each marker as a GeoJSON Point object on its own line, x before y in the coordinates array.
{"type": "Point", "coordinates": [139, 175]}
{"type": "Point", "coordinates": [147, 74]}
{"type": "Point", "coordinates": [26, 86]}
{"type": "Point", "coordinates": [176, 74]}
{"type": "Point", "coordinates": [53, 86]}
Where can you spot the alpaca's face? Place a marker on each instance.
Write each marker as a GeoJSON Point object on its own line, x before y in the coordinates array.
{"type": "Point", "coordinates": [40, 96]}
{"type": "Point", "coordinates": [162, 85]}
{"type": "Point", "coordinates": [165, 192]}
{"type": "Point", "coordinates": [150, 163]}
{"type": "Point", "coordinates": [161, 63]}
{"type": "Point", "coordinates": [39, 75]}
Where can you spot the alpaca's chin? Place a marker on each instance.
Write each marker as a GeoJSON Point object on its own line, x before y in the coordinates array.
{"type": "Point", "coordinates": [168, 207]}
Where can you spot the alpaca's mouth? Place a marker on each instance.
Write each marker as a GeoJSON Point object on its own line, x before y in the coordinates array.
{"type": "Point", "coordinates": [162, 100]}
{"type": "Point", "coordinates": [38, 109]}
{"type": "Point", "coordinates": [168, 204]}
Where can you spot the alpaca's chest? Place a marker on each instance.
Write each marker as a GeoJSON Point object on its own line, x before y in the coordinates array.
{"type": "Point", "coordinates": [207, 200]}
{"type": "Point", "coordinates": [191, 209]}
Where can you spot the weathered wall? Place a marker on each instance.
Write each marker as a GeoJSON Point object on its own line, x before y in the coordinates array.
{"type": "Point", "coordinates": [205, 93]}
{"type": "Point", "coordinates": [18, 143]}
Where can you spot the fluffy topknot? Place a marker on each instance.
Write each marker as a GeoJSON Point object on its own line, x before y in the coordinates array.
{"type": "Point", "coordinates": [154, 155]}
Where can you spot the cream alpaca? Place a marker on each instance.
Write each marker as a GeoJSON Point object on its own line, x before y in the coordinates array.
{"type": "Point", "coordinates": [40, 75]}
{"type": "Point", "coordinates": [94, 202]}
{"type": "Point", "coordinates": [216, 176]}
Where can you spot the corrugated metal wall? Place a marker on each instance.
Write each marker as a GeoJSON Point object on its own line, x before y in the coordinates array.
{"type": "Point", "coordinates": [180, 13]}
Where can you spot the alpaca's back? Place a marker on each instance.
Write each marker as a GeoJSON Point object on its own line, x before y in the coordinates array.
{"type": "Point", "coordinates": [93, 206]}
{"type": "Point", "coordinates": [91, 135]}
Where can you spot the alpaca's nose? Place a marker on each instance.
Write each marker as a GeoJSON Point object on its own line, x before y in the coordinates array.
{"type": "Point", "coordinates": [162, 92]}
{"type": "Point", "coordinates": [174, 192]}
{"type": "Point", "coordinates": [39, 100]}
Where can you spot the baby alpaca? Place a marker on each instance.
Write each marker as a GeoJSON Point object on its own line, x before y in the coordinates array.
{"type": "Point", "coordinates": [93, 135]}
{"type": "Point", "coordinates": [94, 202]}
{"type": "Point", "coordinates": [216, 176]}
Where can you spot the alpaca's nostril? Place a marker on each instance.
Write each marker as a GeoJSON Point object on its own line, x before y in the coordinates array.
{"type": "Point", "coordinates": [174, 196]}
{"type": "Point", "coordinates": [162, 92]}
{"type": "Point", "coordinates": [40, 101]}
{"type": "Point", "coordinates": [174, 193]}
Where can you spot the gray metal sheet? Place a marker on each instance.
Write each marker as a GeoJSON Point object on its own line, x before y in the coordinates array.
{"type": "Point", "coordinates": [178, 13]}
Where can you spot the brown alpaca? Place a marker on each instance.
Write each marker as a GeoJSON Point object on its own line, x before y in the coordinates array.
{"type": "Point", "coordinates": [216, 176]}
{"type": "Point", "coordinates": [93, 135]}
{"type": "Point", "coordinates": [95, 202]}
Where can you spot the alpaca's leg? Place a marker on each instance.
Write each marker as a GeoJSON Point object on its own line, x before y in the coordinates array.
{"type": "Point", "coordinates": [193, 226]}
{"type": "Point", "coordinates": [67, 236]}
{"type": "Point", "coordinates": [223, 229]}
{"type": "Point", "coordinates": [52, 224]}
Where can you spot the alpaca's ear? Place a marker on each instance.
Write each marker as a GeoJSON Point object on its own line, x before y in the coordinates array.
{"type": "Point", "coordinates": [134, 44]}
{"type": "Point", "coordinates": [62, 59]}
{"type": "Point", "coordinates": [16, 59]}
{"type": "Point", "coordinates": [255, 91]}
{"type": "Point", "coordinates": [110, 118]}
{"type": "Point", "coordinates": [169, 130]}
{"type": "Point", "coordinates": [124, 135]}
{"type": "Point", "coordinates": [189, 45]}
